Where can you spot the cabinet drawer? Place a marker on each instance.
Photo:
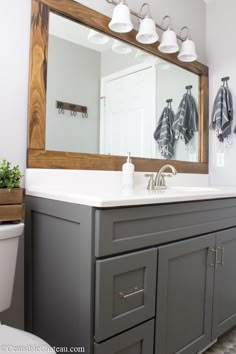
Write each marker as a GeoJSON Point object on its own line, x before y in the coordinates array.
{"type": "Point", "coordinates": [137, 340]}
{"type": "Point", "coordinates": [131, 228]}
{"type": "Point", "coordinates": [125, 292]}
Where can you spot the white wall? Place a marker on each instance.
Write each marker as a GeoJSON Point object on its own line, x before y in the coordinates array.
{"type": "Point", "coordinates": [14, 67]}
{"type": "Point", "coordinates": [14, 64]}
{"type": "Point", "coordinates": [221, 57]}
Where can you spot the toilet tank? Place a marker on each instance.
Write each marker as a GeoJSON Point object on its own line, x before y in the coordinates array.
{"type": "Point", "coordinates": [9, 239]}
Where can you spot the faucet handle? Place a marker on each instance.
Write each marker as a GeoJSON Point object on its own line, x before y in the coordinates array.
{"type": "Point", "coordinates": [162, 178]}
{"type": "Point", "coordinates": [150, 185]}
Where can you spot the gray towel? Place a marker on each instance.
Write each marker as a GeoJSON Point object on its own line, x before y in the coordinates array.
{"type": "Point", "coordinates": [186, 119]}
{"type": "Point", "coordinates": [222, 114]}
{"type": "Point", "coordinates": [164, 133]}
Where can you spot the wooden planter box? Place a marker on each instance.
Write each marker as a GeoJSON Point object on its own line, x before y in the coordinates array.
{"type": "Point", "coordinates": [11, 204]}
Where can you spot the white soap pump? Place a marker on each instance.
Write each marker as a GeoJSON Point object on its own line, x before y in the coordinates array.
{"type": "Point", "coordinates": [128, 174]}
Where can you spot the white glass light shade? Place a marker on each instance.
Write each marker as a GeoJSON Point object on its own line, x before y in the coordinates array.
{"type": "Point", "coordinates": [188, 51]}
{"type": "Point", "coordinates": [121, 21]}
{"type": "Point", "coordinates": [121, 48]}
{"type": "Point", "coordinates": [147, 31]}
{"type": "Point", "coordinates": [97, 37]}
{"type": "Point", "coordinates": [169, 42]}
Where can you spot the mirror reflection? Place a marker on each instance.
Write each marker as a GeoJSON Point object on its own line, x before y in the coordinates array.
{"type": "Point", "coordinates": [105, 96]}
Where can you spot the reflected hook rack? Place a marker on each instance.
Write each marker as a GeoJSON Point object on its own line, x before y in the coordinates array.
{"type": "Point", "coordinates": [73, 108]}
{"type": "Point", "coordinates": [188, 88]}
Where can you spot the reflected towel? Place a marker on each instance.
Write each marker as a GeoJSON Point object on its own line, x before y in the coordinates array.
{"type": "Point", "coordinates": [186, 119]}
{"type": "Point", "coordinates": [164, 133]}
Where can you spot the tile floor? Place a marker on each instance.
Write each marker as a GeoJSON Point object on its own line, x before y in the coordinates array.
{"type": "Point", "coordinates": [225, 345]}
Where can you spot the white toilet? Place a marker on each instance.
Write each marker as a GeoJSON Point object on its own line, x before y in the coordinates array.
{"type": "Point", "coordinates": [13, 340]}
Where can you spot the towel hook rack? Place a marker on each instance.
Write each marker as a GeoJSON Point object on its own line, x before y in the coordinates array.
{"type": "Point", "coordinates": [226, 78]}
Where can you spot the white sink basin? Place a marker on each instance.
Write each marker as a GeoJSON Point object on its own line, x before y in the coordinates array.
{"type": "Point", "coordinates": [193, 189]}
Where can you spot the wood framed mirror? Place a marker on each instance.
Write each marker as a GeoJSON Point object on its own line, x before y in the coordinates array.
{"type": "Point", "coordinates": [39, 155]}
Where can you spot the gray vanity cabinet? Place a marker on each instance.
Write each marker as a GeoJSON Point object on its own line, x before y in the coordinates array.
{"type": "Point", "coordinates": [184, 296]}
{"type": "Point", "coordinates": [224, 310]}
{"type": "Point", "coordinates": [131, 280]}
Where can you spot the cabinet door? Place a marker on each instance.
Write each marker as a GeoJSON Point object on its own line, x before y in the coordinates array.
{"type": "Point", "coordinates": [224, 309]}
{"type": "Point", "coordinates": [184, 295]}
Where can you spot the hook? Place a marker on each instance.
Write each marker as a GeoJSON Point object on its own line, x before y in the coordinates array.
{"type": "Point", "coordinates": [188, 88]}
{"type": "Point", "coordinates": [225, 81]}
{"type": "Point", "coordinates": [148, 11]}
{"type": "Point", "coordinates": [84, 115]}
{"type": "Point", "coordinates": [60, 108]}
{"type": "Point", "coordinates": [188, 36]}
{"type": "Point", "coordinates": [170, 23]}
{"type": "Point", "coordinates": [72, 110]}
{"type": "Point", "coordinates": [169, 102]}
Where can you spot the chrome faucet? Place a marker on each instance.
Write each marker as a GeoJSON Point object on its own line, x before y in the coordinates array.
{"type": "Point", "coordinates": [159, 181]}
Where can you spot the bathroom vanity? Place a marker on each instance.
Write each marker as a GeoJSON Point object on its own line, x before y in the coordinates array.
{"type": "Point", "coordinates": [138, 278]}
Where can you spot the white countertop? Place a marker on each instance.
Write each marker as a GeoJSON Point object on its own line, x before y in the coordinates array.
{"type": "Point", "coordinates": [103, 189]}
{"type": "Point", "coordinates": [111, 198]}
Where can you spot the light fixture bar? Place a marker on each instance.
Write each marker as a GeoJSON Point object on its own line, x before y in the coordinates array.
{"type": "Point", "coordinates": [136, 14]}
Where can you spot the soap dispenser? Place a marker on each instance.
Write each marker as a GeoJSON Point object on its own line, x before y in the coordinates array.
{"type": "Point", "coordinates": [128, 174]}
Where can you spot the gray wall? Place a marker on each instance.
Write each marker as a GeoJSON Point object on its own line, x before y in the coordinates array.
{"type": "Point", "coordinates": [74, 77]}
{"type": "Point", "coordinates": [221, 53]}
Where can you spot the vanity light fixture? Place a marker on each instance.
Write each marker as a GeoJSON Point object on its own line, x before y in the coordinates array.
{"type": "Point", "coordinates": [188, 49]}
{"type": "Point", "coordinates": [147, 34]}
{"type": "Point", "coordinates": [147, 29]}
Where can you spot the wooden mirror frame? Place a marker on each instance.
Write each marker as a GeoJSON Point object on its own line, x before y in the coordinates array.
{"type": "Point", "coordinates": [38, 157]}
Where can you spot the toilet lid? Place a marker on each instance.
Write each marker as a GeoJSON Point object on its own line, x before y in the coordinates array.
{"type": "Point", "coordinates": [14, 340]}
{"type": "Point", "coordinates": [11, 230]}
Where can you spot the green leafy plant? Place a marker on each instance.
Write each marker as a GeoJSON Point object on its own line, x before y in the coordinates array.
{"type": "Point", "coordinates": [10, 177]}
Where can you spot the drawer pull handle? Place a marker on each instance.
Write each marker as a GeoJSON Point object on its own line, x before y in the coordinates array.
{"type": "Point", "coordinates": [136, 291]}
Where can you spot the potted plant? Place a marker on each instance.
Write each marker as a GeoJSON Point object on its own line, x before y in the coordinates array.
{"type": "Point", "coordinates": [11, 195]}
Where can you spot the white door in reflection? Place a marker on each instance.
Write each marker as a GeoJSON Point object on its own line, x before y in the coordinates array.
{"type": "Point", "coordinates": [128, 112]}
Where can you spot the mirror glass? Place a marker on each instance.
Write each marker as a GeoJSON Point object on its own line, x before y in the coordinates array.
{"type": "Point", "coordinates": [107, 97]}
